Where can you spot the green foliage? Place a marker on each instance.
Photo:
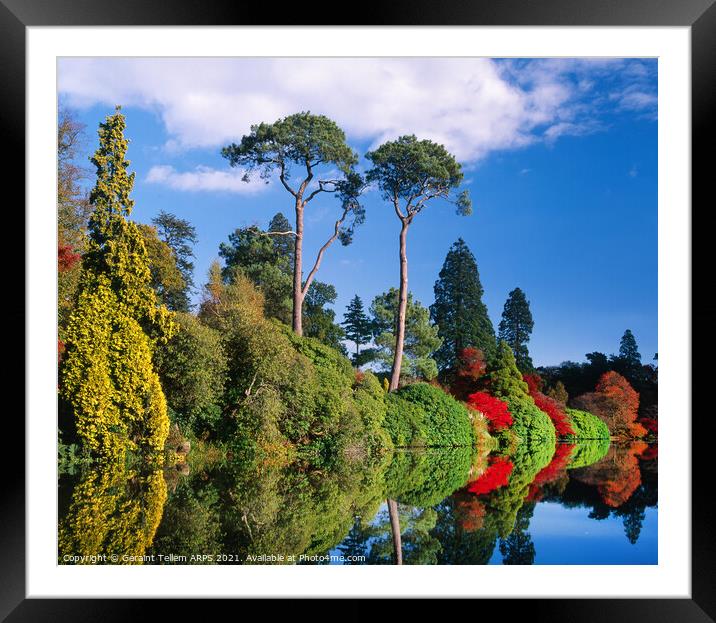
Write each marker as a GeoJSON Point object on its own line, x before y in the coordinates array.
{"type": "Point", "coordinates": [307, 141]}
{"type": "Point", "coordinates": [503, 377]}
{"type": "Point", "coordinates": [192, 366]}
{"type": "Point", "coordinates": [586, 425]}
{"type": "Point", "coordinates": [416, 171]}
{"type": "Point", "coordinates": [426, 478]}
{"type": "Point", "coordinates": [357, 326]}
{"type": "Point", "coordinates": [404, 422]}
{"type": "Point", "coordinates": [71, 458]}
{"type": "Point", "coordinates": [558, 392]}
{"type": "Point", "coordinates": [516, 327]}
{"type": "Point", "coordinates": [505, 502]}
{"type": "Point", "coordinates": [265, 262]}
{"type": "Point", "coordinates": [180, 235]}
{"type": "Point", "coordinates": [505, 382]}
{"type": "Point", "coordinates": [588, 451]}
{"type": "Point", "coordinates": [167, 280]}
{"type": "Point", "coordinates": [628, 350]}
{"type": "Point", "coordinates": [107, 378]}
{"type": "Point", "coordinates": [284, 390]}
{"type": "Point", "coordinates": [294, 139]}
{"type": "Point", "coordinates": [421, 338]}
{"type": "Point", "coordinates": [458, 310]}
{"type": "Point", "coordinates": [318, 320]}
{"type": "Point", "coordinates": [431, 417]}
{"type": "Point", "coordinates": [191, 523]}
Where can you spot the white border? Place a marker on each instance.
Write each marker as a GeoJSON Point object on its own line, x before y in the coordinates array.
{"type": "Point", "coordinates": [670, 578]}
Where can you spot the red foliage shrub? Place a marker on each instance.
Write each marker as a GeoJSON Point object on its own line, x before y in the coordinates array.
{"type": "Point", "coordinates": [495, 476]}
{"type": "Point", "coordinates": [534, 382]}
{"type": "Point", "coordinates": [650, 424]}
{"type": "Point", "coordinates": [494, 410]}
{"type": "Point", "coordinates": [557, 467]}
{"type": "Point", "coordinates": [66, 258]}
{"type": "Point", "coordinates": [550, 406]}
{"type": "Point", "coordinates": [471, 367]}
{"type": "Point", "coordinates": [60, 350]}
{"type": "Point", "coordinates": [359, 376]}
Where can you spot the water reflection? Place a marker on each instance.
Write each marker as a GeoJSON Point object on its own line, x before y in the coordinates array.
{"type": "Point", "coordinates": [457, 506]}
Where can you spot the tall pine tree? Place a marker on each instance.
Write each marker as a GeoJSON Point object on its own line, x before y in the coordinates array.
{"type": "Point", "coordinates": [458, 309]}
{"type": "Point", "coordinates": [516, 327]}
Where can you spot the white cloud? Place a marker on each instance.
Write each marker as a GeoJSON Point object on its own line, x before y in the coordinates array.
{"type": "Point", "coordinates": [205, 179]}
{"type": "Point", "coordinates": [473, 105]}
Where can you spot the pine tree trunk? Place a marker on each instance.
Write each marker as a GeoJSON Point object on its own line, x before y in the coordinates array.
{"type": "Point", "coordinates": [395, 531]}
{"type": "Point", "coordinates": [298, 272]}
{"type": "Point", "coordinates": [402, 307]}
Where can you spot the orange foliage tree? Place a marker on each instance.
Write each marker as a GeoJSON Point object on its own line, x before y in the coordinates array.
{"type": "Point", "coordinates": [616, 402]}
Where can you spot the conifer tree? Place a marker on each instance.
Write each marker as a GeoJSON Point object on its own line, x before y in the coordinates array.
{"type": "Point", "coordinates": [516, 327]}
{"type": "Point", "coordinates": [108, 380]}
{"type": "Point", "coordinates": [357, 325]}
{"type": "Point", "coordinates": [628, 350]}
{"type": "Point", "coordinates": [458, 309]}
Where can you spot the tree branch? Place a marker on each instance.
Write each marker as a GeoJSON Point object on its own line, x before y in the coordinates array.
{"type": "Point", "coordinates": [282, 177]}
{"type": "Point", "coordinates": [322, 250]}
{"type": "Point", "coordinates": [321, 188]}
{"type": "Point", "coordinates": [278, 233]}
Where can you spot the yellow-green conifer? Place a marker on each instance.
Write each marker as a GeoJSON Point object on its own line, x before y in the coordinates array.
{"type": "Point", "coordinates": [107, 377]}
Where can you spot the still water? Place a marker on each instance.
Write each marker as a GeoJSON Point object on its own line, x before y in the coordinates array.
{"type": "Point", "coordinates": [589, 503]}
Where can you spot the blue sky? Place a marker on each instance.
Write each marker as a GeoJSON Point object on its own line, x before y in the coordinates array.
{"type": "Point", "coordinates": [560, 158]}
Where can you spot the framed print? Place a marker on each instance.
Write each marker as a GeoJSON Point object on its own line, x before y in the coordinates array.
{"type": "Point", "coordinates": [330, 301]}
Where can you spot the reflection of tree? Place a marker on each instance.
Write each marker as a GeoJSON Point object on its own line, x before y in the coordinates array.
{"type": "Point", "coordinates": [113, 511]}
{"type": "Point", "coordinates": [375, 541]}
{"type": "Point", "coordinates": [395, 531]}
{"type": "Point", "coordinates": [470, 525]}
{"type": "Point", "coordinates": [518, 548]}
{"type": "Point", "coordinates": [616, 476]}
{"type": "Point", "coordinates": [191, 523]}
{"type": "Point", "coordinates": [595, 487]}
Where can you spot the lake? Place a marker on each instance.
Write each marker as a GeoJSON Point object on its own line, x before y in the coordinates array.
{"type": "Point", "coordinates": [585, 503]}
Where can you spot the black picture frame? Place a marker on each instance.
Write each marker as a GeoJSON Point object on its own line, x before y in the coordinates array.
{"type": "Point", "coordinates": [700, 15]}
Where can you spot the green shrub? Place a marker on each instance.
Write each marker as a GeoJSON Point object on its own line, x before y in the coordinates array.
{"type": "Point", "coordinates": [404, 422]}
{"type": "Point", "coordinates": [588, 451]}
{"type": "Point", "coordinates": [587, 425]}
{"type": "Point", "coordinates": [284, 389]}
{"type": "Point", "coordinates": [192, 367]}
{"type": "Point", "coordinates": [431, 418]}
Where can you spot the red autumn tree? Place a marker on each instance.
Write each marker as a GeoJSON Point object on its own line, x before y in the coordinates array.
{"type": "Point", "coordinates": [471, 366]}
{"type": "Point", "coordinates": [616, 402]}
{"type": "Point", "coordinates": [550, 406]}
{"type": "Point", "coordinates": [495, 410]}
{"type": "Point", "coordinates": [66, 258]}
{"type": "Point", "coordinates": [495, 476]}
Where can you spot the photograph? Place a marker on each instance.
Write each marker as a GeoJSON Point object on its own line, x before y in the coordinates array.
{"type": "Point", "coordinates": [373, 310]}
